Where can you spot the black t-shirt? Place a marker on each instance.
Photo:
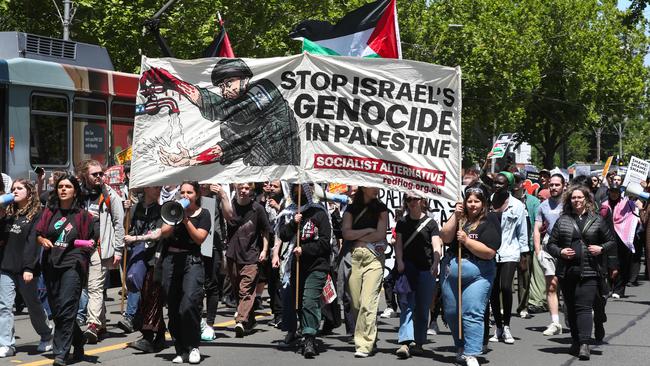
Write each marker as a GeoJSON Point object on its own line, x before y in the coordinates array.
{"type": "Point", "coordinates": [245, 231]}
{"type": "Point", "coordinates": [487, 232]}
{"type": "Point", "coordinates": [181, 240]}
{"type": "Point", "coordinates": [363, 218]}
{"type": "Point", "coordinates": [143, 221]}
{"type": "Point", "coordinates": [419, 250]}
{"type": "Point", "coordinates": [62, 232]}
{"type": "Point", "coordinates": [18, 248]}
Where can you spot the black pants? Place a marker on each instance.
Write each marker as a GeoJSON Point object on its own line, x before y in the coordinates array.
{"type": "Point", "coordinates": [523, 282]}
{"type": "Point", "coordinates": [635, 261]}
{"type": "Point", "coordinates": [624, 268]}
{"type": "Point", "coordinates": [275, 284]}
{"type": "Point", "coordinates": [213, 284]}
{"type": "Point", "coordinates": [389, 284]}
{"type": "Point", "coordinates": [579, 296]}
{"type": "Point", "coordinates": [502, 291]}
{"type": "Point", "coordinates": [182, 283]}
{"type": "Point", "coordinates": [64, 290]}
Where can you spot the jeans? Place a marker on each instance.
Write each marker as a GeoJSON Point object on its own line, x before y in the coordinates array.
{"type": "Point", "coordinates": [132, 303]}
{"type": "Point", "coordinates": [414, 316]}
{"type": "Point", "coordinates": [182, 283]}
{"type": "Point", "coordinates": [42, 296]}
{"type": "Point", "coordinates": [9, 283]}
{"type": "Point", "coordinates": [365, 284]}
{"type": "Point", "coordinates": [476, 280]}
{"type": "Point", "coordinates": [82, 312]}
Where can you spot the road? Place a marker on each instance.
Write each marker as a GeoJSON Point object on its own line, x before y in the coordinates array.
{"type": "Point", "coordinates": [627, 342]}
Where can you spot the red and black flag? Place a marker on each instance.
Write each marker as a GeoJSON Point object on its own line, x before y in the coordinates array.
{"type": "Point", "coordinates": [220, 46]}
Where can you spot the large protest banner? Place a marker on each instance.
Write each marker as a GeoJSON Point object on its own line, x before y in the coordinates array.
{"type": "Point", "coordinates": [388, 123]}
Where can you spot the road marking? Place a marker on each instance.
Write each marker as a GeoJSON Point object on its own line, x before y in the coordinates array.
{"type": "Point", "coordinates": [123, 345]}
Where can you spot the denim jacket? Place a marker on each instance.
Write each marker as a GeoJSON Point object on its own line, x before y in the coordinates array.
{"type": "Point", "coordinates": [514, 232]}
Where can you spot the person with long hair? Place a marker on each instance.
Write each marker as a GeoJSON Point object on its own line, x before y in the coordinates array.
{"type": "Point", "coordinates": [19, 267]}
{"type": "Point", "coordinates": [143, 236]}
{"type": "Point", "coordinates": [580, 240]}
{"type": "Point", "coordinates": [478, 233]}
{"type": "Point", "coordinates": [183, 275]}
{"type": "Point", "coordinates": [364, 224]}
{"type": "Point", "coordinates": [68, 234]}
{"type": "Point", "coordinates": [418, 249]}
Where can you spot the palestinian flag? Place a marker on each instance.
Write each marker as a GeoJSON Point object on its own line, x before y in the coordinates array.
{"type": "Point", "coordinates": [220, 46]}
{"type": "Point", "coordinates": [369, 31]}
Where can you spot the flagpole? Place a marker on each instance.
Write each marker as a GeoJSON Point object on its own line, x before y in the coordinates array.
{"type": "Point", "coordinates": [298, 246]}
{"type": "Point", "coordinates": [459, 197]}
{"type": "Point", "coordinates": [127, 223]}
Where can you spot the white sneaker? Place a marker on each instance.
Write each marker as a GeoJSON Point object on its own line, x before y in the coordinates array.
{"type": "Point", "coordinates": [388, 313]}
{"type": "Point", "coordinates": [471, 361]}
{"type": "Point", "coordinates": [616, 296]}
{"type": "Point", "coordinates": [359, 354]}
{"type": "Point", "coordinates": [195, 356]}
{"type": "Point", "coordinates": [44, 346]}
{"type": "Point", "coordinates": [524, 314]}
{"type": "Point", "coordinates": [239, 330]}
{"type": "Point", "coordinates": [498, 335]}
{"type": "Point", "coordinates": [507, 336]}
{"type": "Point", "coordinates": [553, 329]}
{"type": "Point", "coordinates": [207, 334]}
{"type": "Point", "coordinates": [178, 359]}
{"type": "Point", "coordinates": [6, 351]}
{"type": "Point", "coordinates": [433, 329]}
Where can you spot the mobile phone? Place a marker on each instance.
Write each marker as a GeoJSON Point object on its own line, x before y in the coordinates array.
{"type": "Point", "coordinates": [39, 171]}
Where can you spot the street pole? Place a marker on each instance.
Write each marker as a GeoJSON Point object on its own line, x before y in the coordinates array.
{"type": "Point", "coordinates": [66, 19]}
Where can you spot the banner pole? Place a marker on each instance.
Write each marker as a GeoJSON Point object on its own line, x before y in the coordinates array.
{"type": "Point", "coordinates": [127, 223]}
{"type": "Point", "coordinates": [459, 196]}
{"type": "Point", "coordinates": [298, 246]}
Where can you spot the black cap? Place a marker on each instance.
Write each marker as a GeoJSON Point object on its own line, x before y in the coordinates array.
{"type": "Point", "coordinates": [230, 68]}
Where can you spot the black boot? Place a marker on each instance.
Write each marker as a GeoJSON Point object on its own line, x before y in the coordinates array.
{"type": "Point", "coordinates": [584, 352]}
{"type": "Point", "coordinates": [309, 348]}
{"type": "Point", "coordinates": [599, 332]}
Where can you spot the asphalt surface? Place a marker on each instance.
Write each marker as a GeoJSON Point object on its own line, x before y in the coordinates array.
{"type": "Point", "coordinates": [627, 342]}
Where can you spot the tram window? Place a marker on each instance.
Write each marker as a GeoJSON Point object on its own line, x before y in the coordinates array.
{"type": "Point", "coordinates": [89, 136]}
{"type": "Point", "coordinates": [48, 138]}
{"type": "Point", "coordinates": [89, 107]}
{"type": "Point", "coordinates": [89, 130]}
{"type": "Point", "coordinates": [122, 115]}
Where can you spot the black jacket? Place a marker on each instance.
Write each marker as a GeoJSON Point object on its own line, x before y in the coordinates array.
{"type": "Point", "coordinates": [564, 235]}
{"type": "Point", "coordinates": [315, 241]}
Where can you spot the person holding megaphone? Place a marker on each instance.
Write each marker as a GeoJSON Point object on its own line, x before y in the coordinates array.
{"type": "Point", "coordinates": [183, 274]}
{"type": "Point", "coordinates": [20, 255]}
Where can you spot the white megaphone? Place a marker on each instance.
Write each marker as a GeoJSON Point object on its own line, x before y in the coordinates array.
{"type": "Point", "coordinates": [173, 212]}
{"type": "Point", "coordinates": [320, 195]}
{"type": "Point", "coordinates": [635, 189]}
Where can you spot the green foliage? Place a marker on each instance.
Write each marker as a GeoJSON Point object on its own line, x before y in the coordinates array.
{"type": "Point", "coordinates": [547, 69]}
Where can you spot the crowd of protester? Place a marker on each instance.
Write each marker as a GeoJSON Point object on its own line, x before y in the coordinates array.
{"type": "Point", "coordinates": [580, 241]}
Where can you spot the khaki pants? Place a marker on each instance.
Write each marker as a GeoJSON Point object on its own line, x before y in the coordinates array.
{"type": "Point", "coordinates": [96, 279]}
{"type": "Point", "coordinates": [244, 278]}
{"type": "Point", "coordinates": [365, 284]}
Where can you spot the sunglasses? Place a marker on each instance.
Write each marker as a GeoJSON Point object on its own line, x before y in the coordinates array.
{"type": "Point", "coordinates": [474, 191]}
{"type": "Point", "coordinates": [97, 174]}
{"type": "Point", "coordinates": [411, 199]}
